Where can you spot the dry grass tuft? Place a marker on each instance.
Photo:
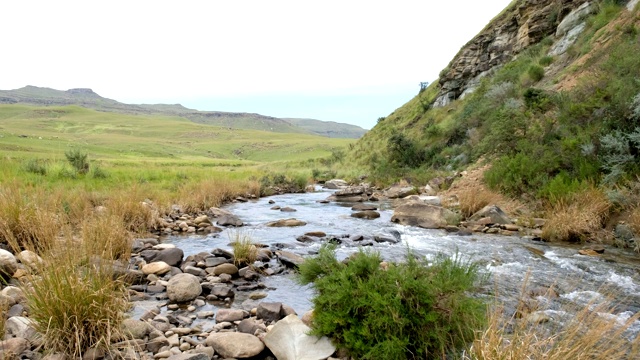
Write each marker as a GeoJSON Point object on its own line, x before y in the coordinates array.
{"type": "Point", "coordinates": [135, 215]}
{"type": "Point", "coordinates": [582, 215]}
{"type": "Point", "coordinates": [245, 251]}
{"type": "Point", "coordinates": [473, 199]}
{"type": "Point", "coordinates": [77, 303]}
{"type": "Point", "coordinates": [592, 333]}
{"type": "Point", "coordinates": [105, 235]}
{"type": "Point", "coordinates": [26, 218]}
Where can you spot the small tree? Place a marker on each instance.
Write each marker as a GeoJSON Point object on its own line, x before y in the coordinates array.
{"type": "Point", "coordinates": [78, 159]}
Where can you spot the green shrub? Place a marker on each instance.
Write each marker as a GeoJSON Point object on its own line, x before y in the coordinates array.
{"type": "Point", "coordinates": [535, 72]}
{"type": "Point", "coordinates": [98, 173]}
{"type": "Point", "coordinates": [35, 166]}
{"type": "Point", "coordinates": [78, 159]}
{"type": "Point", "coordinates": [403, 151]}
{"type": "Point", "coordinates": [410, 310]}
{"type": "Point", "coordinates": [545, 60]}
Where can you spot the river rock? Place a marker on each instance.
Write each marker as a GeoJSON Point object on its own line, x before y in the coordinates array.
{"type": "Point", "coordinates": [8, 263]}
{"type": "Point", "coordinates": [398, 191]}
{"type": "Point", "coordinates": [288, 340]}
{"type": "Point", "coordinates": [217, 212]}
{"type": "Point", "coordinates": [135, 329]}
{"type": "Point", "coordinates": [202, 219]}
{"type": "Point", "coordinates": [250, 326]}
{"type": "Point", "coordinates": [493, 212]}
{"type": "Point", "coordinates": [190, 356]}
{"type": "Point", "coordinates": [368, 214]}
{"type": "Point", "coordinates": [20, 326]}
{"type": "Point", "coordinates": [335, 184]}
{"type": "Point", "coordinates": [12, 348]}
{"type": "Point", "coordinates": [213, 261]}
{"type": "Point", "coordinates": [289, 259]}
{"type": "Point", "coordinates": [230, 315]}
{"type": "Point", "coordinates": [286, 223]}
{"type": "Point", "coordinates": [350, 191]}
{"type": "Point", "coordinates": [225, 269]}
{"type": "Point", "coordinates": [364, 207]}
{"type": "Point", "coordinates": [229, 220]}
{"type": "Point", "coordinates": [235, 345]}
{"type": "Point", "coordinates": [157, 268]}
{"type": "Point", "coordinates": [420, 214]}
{"type": "Point", "coordinates": [288, 209]}
{"type": "Point", "coordinates": [183, 288]}
{"type": "Point", "coordinates": [318, 234]}
{"type": "Point", "coordinates": [269, 311]}
{"type": "Point", "coordinates": [170, 255]}
{"type": "Point", "coordinates": [29, 259]}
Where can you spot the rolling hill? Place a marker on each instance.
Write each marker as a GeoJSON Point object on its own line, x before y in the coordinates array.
{"type": "Point", "coordinates": [89, 99]}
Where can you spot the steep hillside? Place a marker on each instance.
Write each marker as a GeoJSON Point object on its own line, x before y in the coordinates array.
{"type": "Point", "coordinates": [89, 99]}
{"type": "Point", "coordinates": [548, 93]}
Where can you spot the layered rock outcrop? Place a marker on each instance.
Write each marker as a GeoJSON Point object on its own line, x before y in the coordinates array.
{"type": "Point", "coordinates": [524, 23]}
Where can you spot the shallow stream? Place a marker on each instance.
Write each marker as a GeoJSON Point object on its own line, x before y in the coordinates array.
{"type": "Point", "coordinates": [506, 260]}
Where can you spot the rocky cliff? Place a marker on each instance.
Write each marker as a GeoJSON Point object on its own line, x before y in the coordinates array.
{"type": "Point", "coordinates": [523, 23]}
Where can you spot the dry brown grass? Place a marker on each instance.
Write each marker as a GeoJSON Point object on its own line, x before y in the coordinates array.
{"type": "Point", "coordinates": [27, 217]}
{"type": "Point", "coordinates": [592, 333]}
{"type": "Point", "coordinates": [203, 195]}
{"type": "Point", "coordinates": [105, 235]}
{"type": "Point", "coordinates": [473, 195]}
{"type": "Point", "coordinates": [577, 218]}
{"type": "Point", "coordinates": [130, 207]}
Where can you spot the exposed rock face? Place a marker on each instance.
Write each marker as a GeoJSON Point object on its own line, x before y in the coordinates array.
{"type": "Point", "coordinates": [524, 24]}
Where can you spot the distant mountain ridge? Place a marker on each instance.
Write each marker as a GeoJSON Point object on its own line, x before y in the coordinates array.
{"type": "Point", "coordinates": [88, 98]}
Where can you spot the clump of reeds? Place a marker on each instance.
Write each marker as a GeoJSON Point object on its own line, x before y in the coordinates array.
{"type": "Point", "coordinates": [245, 251]}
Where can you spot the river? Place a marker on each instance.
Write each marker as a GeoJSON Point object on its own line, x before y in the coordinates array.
{"type": "Point", "coordinates": [505, 260]}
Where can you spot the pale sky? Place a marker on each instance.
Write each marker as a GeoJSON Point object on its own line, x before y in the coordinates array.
{"type": "Point", "coordinates": [346, 61]}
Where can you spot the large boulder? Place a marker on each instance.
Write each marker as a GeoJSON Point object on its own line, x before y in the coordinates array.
{"type": "Point", "coordinates": [183, 287]}
{"type": "Point", "coordinates": [286, 223]}
{"type": "Point", "coordinates": [426, 216]}
{"type": "Point", "coordinates": [398, 191]}
{"type": "Point", "coordinates": [235, 345]}
{"type": "Point", "coordinates": [288, 340]}
{"type": "Point", "coordinates": [492, 212]}
{"type": "Point", "coordinates": [8, 264]}
{"type": "Point", "coordinates": [230, 220]}
{"type": "Point", "coordinates": [335, 184]}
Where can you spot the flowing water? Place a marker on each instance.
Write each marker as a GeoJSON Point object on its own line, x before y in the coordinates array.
{"type": "Point", "coordinates": [506, 260]}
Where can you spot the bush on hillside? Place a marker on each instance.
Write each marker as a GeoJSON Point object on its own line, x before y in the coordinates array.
{"type": "Point", "coordinates": [411, 310]}
{"type": "Point", "coordinates": [535, 72]}
{"type": "Point", "coordinates": [78, 159]}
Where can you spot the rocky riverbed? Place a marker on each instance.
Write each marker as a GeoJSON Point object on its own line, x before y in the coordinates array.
{"type": "Point", "coordinates": [191, 301]}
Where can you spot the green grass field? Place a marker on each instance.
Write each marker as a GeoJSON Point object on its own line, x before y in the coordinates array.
{"type": "Point", "coordinates": [47, 132]}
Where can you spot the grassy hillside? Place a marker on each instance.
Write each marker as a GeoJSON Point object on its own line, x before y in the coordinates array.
{"type": "Point", "coordinates": [47, 132]}
{"type": "Point", "coordinates": [550, 125]}
{"type": "Point", "coordinates": [33, 95]}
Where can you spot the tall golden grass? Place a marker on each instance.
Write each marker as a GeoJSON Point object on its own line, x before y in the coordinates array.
{"type": "Point", "coordinates": [214, 192]}
{"type": "Point", "coordinates": [75, 295]}
{"type": "Point", "coordinates": [592, 333]}
{"type": "Point", "coordinates": [474, 198]}
{"type": "Point", "coordinates": [577, 218]}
